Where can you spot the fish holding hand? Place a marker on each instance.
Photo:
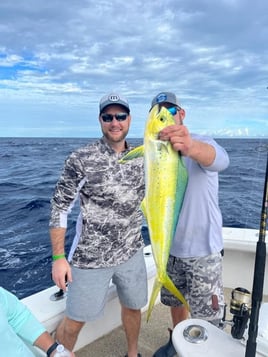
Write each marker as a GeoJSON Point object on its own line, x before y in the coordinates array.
{"type": "Point", "coordinates": [165, 184]}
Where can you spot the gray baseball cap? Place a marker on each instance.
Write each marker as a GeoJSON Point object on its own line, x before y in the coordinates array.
{"type": "Point", "coordinates": [113, 98]}
{"type": "Point", "coordinates": [165, 97]}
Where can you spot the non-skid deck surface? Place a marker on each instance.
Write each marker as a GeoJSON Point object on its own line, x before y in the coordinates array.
{"type": "Point", "coordinates": [153, 335]}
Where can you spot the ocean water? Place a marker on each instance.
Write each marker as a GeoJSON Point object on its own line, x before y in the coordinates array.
{"type": "Point", "coordinates": [29, 170]}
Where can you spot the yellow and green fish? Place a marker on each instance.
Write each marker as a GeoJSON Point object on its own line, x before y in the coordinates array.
{"type": "Point", "coordinates": [165, 184]}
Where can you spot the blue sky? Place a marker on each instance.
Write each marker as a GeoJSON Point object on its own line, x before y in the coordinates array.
{"type": "Point", "coordinates": [57, 58]}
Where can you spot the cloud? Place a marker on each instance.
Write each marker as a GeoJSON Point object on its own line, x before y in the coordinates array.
{"type": "Point", "coordinates": [64, 56]}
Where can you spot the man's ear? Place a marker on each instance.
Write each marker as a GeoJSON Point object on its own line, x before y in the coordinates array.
{"type": "Point", "coordinates": [182, 114]}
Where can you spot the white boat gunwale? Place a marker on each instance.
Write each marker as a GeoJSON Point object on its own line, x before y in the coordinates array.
{"type": "Point", "coordinates": [239, 246]}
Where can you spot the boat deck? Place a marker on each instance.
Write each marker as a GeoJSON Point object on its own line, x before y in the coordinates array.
{"type": "Point", "coordinates": [153, 335]}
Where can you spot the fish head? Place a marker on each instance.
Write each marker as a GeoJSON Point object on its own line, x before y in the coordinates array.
{"type": "Point", "coordinates": [158, 119]}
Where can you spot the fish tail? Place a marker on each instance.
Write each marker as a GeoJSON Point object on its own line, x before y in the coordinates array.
{"type": "Point", "coordinates": [169, 285]}
{"type": "Point", "coordinates": [156, 289]}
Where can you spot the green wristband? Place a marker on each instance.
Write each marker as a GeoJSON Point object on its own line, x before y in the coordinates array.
{"type": "Point", "coordinates": [56, 257]}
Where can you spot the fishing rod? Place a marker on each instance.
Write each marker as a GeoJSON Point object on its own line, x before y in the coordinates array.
{"type": "Point", "coordinates": [259, 271]}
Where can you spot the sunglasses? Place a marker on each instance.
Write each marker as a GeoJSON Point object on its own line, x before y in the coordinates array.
{"type": "Point", "coordinates": [174, 110]}
{"type": "Point", "coordinates": [108, 118]}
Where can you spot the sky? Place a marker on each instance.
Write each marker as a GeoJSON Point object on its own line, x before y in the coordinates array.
{"type": "Point", "coordinates": [58, 58]}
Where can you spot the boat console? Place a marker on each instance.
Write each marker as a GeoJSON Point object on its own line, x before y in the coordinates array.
{"type": "Point", "coordinates": [196, 337]}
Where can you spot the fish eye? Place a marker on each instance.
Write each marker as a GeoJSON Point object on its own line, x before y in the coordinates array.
{"type": "Point", "coordinates": [162, 119]}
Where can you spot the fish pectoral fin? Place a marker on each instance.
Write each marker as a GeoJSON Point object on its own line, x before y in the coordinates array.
{"type": "Point", "coordinates": [156, 289]}
{"type": "Point", "coordinates": [162, 145]}
{"type": "Point", "coordinates": [133, 154]}
{"type": "Point", "coordinates": [169, 285]}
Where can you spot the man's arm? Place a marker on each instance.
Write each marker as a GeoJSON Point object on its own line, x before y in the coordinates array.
{"type": "Point", "coordinates": [23, 322]}
{"type": "Point", "coordinates": [181, 140]}
{"type": "Point", "coordinates": [45, 341]}
{"type": "Point", "coordinates": [61, 271]}
{"type": "Point", "coordinates": [201, 152]}
{"type": "Point", "coordinates": [57, 237]}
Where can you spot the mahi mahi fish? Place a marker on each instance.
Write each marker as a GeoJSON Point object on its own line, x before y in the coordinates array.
{"type": "Point", "coordinates": [165, 184]}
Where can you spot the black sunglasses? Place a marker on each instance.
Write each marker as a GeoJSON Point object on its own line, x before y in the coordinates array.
{"type": "Point", "coordinates": [108, 118]}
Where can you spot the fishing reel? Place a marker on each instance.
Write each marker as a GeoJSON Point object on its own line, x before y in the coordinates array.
{"type": "Point", "coordinates": [240, 307]}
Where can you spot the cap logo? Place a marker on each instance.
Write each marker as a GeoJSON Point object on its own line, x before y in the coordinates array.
{"type": "Point", "coordinates": [114, 98]}
{"type": "Point", "coordinates": [161, 98]}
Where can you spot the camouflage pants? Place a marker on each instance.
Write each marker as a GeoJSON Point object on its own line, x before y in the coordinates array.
{"type": "Point", "coordinates": [200, 281]}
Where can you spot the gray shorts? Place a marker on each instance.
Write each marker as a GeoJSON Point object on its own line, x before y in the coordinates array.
{"type": "Point", "coordinates": [200, 281]}
{"type": "Point", "coordinates": [88, 291]}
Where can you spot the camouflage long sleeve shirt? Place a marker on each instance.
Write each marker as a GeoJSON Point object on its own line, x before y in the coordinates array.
{"type": "Point", "coordinates": [108, 229]}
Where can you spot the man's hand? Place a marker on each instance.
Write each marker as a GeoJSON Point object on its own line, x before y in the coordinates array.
{"type": "Point", "coordinates": [179, 137]}
{"type": "Point", "coordinates": [61, 273]}
{"type": "Point", "coordinates": [181, 140]}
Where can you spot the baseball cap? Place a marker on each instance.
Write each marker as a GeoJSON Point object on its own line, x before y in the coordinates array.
{"type": "Point", "coordinates": [113, 98]}
{"type": "Point", "coordinates": [165, 97]}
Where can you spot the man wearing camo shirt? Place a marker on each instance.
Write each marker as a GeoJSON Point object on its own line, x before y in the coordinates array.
{"type": "Point", "coordinates": [108, 243]}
